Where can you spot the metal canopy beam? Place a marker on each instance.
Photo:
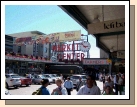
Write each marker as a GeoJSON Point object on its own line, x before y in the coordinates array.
{"type": "Point", "coordinates": [111, 33]}
{"type": "Point", "coordinates": [100, 44]}
{"type": "Point", "coordinates": [74, 12]}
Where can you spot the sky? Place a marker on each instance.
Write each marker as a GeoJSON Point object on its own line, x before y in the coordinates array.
{"type": "Point", "coordinates": [44, 18]}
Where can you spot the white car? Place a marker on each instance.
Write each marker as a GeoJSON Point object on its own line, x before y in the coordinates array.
{"type": "Point", "coordinates": [12, 80]}
{"type": "Point", "coordinates": [51, 76]}
{"type": "Point", "coordinates": [57, 76]}
{"type": "Point", "coordinates": [48, 77]}
{"type": "Point", "coordinates": [75, 79]}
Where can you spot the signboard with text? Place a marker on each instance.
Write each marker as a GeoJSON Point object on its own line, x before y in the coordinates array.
{"type": "Point", "coordinates": [107, 26]}
{"type": "Point", "coordinates": [96, 62]}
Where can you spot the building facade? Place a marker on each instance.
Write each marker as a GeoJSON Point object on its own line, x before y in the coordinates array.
{"type": "Point", "coordinates": [43, 50]}
{"type": "Point", "coordinates": [9, 43]}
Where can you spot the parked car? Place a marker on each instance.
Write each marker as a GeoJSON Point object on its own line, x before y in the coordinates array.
{"type": "Point", "coordinates": [12, 80]}
{"type": "Point", "coordinates": [25, 81]}
{"type": "Point", "coordinates": [57, 76]}
{"type": "Point", "coordinates": [38, 78]}
{"type": "Point", "coordinates": [7, 92]}
{"type": "Point", "coordinates": [49, 78]}
{"type": "Point", "coordinates": [52, 77]}
{"type": "Point", "coordinates": [75, 79]}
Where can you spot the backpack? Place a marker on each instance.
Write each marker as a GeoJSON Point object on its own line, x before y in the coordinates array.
{"type": "Point", "coordinates": [37, 92]}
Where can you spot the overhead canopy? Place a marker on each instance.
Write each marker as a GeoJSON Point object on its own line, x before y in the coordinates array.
{"type": "Point", "coordinates": [89, 14]}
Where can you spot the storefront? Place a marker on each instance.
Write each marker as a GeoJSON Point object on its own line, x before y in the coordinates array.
{"type": "Point", "coordinates": [97, 65]}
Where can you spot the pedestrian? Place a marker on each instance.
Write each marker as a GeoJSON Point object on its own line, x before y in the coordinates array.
{"type": "Point", "coordinates": [61, 77]}
{"type": "Point", "coordinates": [60, 90]}
{"type": "Point", "coordinates": [120, 82]}
{"type": "Point", "coordinates": [110, 83]}
{"type": "Point", "coordinates": [116, 78]}
{"type": "Point", "coordinates": [79, 84]}
{"type": "Point", "coordinates": [108, 90]}
{"type": "Point", "coordinates": [45, 83]}
{"type": "Point", "coordinates": [29, 75]}
{"type": "Point", "coordinates": [68, 84]}
{"type": "Point", "coordinates": [90, 88]}
{"type": "Point", "coordinates": [123, 77]}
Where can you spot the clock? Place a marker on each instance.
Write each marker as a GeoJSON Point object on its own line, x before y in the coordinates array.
{"type": "Point", "coordinates": [85, 46]}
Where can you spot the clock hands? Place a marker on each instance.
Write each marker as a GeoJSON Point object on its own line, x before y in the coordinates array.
{"type": "Point", "coordinates": [84, 45]}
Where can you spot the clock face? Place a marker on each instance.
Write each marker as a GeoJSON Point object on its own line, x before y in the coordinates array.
{"type": "Point", "coordinates": [85, 46]}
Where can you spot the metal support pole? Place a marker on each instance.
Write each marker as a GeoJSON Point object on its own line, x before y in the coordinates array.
{"type": "Point", "coordinates": [87, 51]}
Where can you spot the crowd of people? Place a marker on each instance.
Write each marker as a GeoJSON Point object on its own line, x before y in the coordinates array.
{"type": "Point", "coordinates": [111, 86]}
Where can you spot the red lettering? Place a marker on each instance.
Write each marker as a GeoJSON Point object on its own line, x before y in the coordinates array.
{"type": "Point", "coordinates": [54, 48]}
{"type": "Point", "coordinates": [73, 55]}
{"type": "Point", "coordinates": [82, 56]}
{"type": "Point", "coordinates": [64, 46]}
{"type": "Point", "coordinates": [77, 46]}
{"type": "Point", "coordinates": [58, 56]}
{"type": "Point", "coordinates": [59, 48]}
{"type": "Point", "coordinates": [68, 56]}
{"type": "Point", "coordinates": [68, 47]}
{"type": "Point", "coordinates": [78, 55]}
{"type": "Point", "coordinates": [64, 55]}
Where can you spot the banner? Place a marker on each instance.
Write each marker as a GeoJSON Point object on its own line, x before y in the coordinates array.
{"type": "Point", "coordinates": [50, 38]}
{"type": "Point", "coordinates": [54, 37]}
{"type": "Point", "coordinates": [70, 36]}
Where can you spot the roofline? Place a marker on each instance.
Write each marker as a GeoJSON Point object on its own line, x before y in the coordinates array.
{"type": "Point", "coordinates": [35, 32]}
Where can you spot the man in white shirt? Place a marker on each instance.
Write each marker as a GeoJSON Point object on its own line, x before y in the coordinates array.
{"type": "Point", "coordinates": [68, 85]}
{"type": "Point", "coordinates": [89, 88]}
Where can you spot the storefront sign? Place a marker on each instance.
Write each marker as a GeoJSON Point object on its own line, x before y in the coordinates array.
{"type": "Point", "coordinates": [69, 49]}
{"type": "Point", "coordinates": [96, 62]}
{"type": "Point", "coordinates": [70, 36]}
{"type": "Point", "coordinates": [107, 26]}
{"type": "Point", "coordinates": [71, 56]}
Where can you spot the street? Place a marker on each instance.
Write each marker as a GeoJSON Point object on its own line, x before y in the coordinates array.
{"type": "Point", "coordinates": [28, 90]}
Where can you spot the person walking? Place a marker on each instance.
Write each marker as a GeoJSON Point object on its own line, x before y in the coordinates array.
{"type": "Point", "coordinates": [90, 88]}
{"type": "Point", "coordinates": [61, 77]}
{"type": "Point", "coordinates": [60, 90]}
{"type": "Point", "coordinates": [68, 84]}
{"type": "Point", "coordinates": [45, 83]}
{"type": "Point", "coordinates": [79, 84]}
{"type": "Point", "coordinates": [108, 90]}
{"type": "Point", "coordinates": [120, 82]}
{"type": "Point", "coordinates": [116, 78]}
{"type": "Point", "coordinates": [43, 89]}
{"type": "Point", "coordinates": [108, 83]}
{"type": "Point", "coordinates": [29, 75]}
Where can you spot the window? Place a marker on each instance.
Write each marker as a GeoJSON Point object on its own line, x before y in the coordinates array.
{"type": "Point", "coordinates": [15, 76]}
{"type": "Point", "coordinates": [45, 50]}
{"type": "Point", "coordinates": [19, 49]}
{"type": "Point", "coordinates": [7, 76]}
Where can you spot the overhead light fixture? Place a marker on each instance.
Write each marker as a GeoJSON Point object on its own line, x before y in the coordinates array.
{"type": "Point", "coordinates": [112, 50]}
{"type": "Point", "coordinates": [96, 19]}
